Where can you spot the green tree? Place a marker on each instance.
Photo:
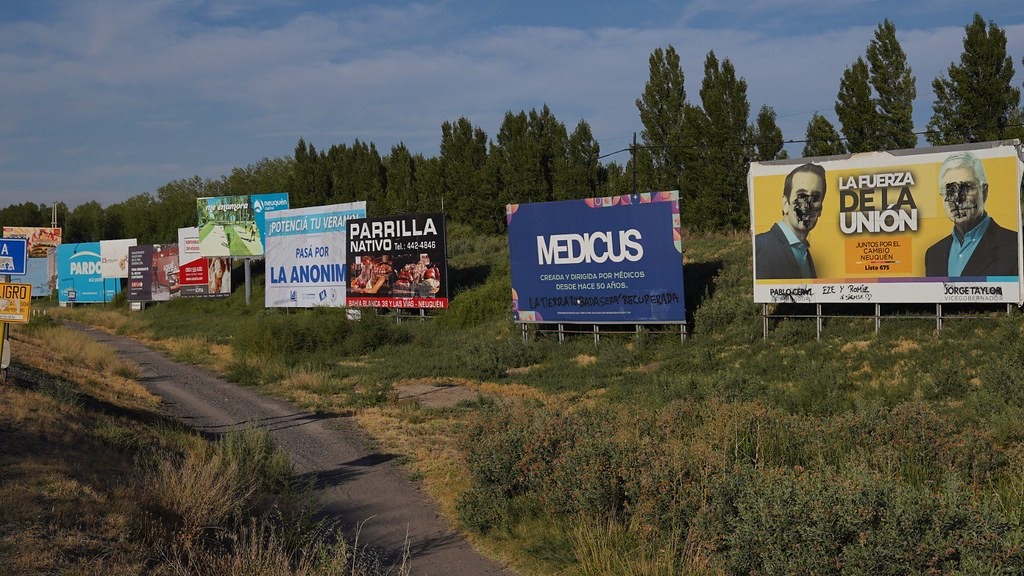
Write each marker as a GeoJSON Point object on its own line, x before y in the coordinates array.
{"type": "Point", "coordinates": [134, 218]}
{"type": "Point", "coordinates": [175, 206]}
{"type": "Point", "coordinates": [515, 162]}
{"type": "Point", "coordinates": [264, 177]}
{"type": "Point", "coordinates": [856, 108]}
{"type": "Point", "coordinates": [822, 139]}
{"type": "Point", "coordinates": [721, 129]}
{"type": "Point", "coordinates": [399, 181]}
{"type": "Point", "coordinates": [976, 100]}
{"type": "Point", "coordinates": [310, 183]}
{"type": "Point", "coordinates": [895, 90]}
{"type": "Point", "coordinates": [85, 223]}
{"type": "Point", "coordinates": [356, 173]}
{"type": "Point", "coordinates": [552, 139]}
{"type": "Point", "coordinates": [767, 136]}
{"type": "Point", "coordinates": [663, 111]}
{"type": "Point", "coordinates": [428, 187]}
{"type": "Point", "coordinates": [25, 214]}
{"type": "Point", "coordinates": [462, 162]}
{"type": "Point", "coordinates": [578, 171]}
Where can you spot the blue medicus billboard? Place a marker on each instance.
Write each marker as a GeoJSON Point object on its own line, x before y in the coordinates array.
{"type": "Point", "coordinates": [612, 260]}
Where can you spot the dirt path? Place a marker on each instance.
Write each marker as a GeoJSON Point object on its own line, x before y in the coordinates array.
{"type": "Point", "coordinates": [354, 482]}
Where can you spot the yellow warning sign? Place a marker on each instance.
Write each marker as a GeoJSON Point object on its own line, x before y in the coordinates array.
{"type": "Point", "coordinates": [15, 302]}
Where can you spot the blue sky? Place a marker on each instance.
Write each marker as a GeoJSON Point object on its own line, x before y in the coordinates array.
{"type": "Point", "coordinates": [106, 99]}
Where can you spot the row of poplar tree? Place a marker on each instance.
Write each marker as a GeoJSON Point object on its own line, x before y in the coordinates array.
{"type": "Point", "coordinates": [701, 149]}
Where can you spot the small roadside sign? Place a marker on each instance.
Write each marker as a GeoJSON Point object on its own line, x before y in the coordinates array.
{"type": "Point", "coordinates": [13, 256]}
{"type": "Point", "coordinates": [15, 302]}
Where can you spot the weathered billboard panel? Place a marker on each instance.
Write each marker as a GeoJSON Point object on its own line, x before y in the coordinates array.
{"type": "Point", "coordinates": [932, 225]}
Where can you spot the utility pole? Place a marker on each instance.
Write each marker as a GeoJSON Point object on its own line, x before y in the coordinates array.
{"type": "Point", "coordinates": [632, 152]}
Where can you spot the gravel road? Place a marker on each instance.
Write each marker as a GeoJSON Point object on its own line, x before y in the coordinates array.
{"type": "Point", "coordinates": [355, 483]}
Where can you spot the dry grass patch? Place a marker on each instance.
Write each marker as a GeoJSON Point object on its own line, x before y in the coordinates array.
{"type": "Point", "coordinates": [585, 359]}
{"type": "Point", "coordinates": [114, 321]}
{"type": "Point", "coordinates": [195, 350]}
{"type": "Point", "coordinates": [857, 346]}
{"type": "Point", "coordinates": [903, 346]}
{"type": "Point", "coordinates": [434, 459]}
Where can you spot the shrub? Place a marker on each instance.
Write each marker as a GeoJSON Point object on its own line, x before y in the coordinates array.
{"type": "Point", "coordinates": [492, 359]}
{"type": "Point", "coordinates": [255, 455]}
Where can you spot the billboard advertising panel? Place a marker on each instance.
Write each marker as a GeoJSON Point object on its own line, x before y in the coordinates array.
{"type": "Point", "coordinates": [931, 225]}
{"type": "Point", "coordinates": [152, 272]}
{"type": "Point", "coordinates": [227, 227]}
{"type": "Point", "coordinates": [261, 205]}
{"type": "Point", "coordinates": [114, 257]}
{"type": "Point", "coordinates": [38, 275]}
{"type": "Point", "coordinates": [199, 276]}
{"type": "Point", "coordinates": [600, 260]}
{"type": "Point", "coordinates": [40, 240]}
{"type": "Point", "coordinates": [306, 255]}
{"type": "Point", "coordinates": [398, 262]}
{"type": "Point", "coordinates": [78, 274]}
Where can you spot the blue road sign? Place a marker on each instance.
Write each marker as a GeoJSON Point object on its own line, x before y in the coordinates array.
{"type": "Point", "coordinates": [13, 256]}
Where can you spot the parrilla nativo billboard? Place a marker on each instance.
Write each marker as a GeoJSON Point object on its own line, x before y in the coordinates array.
{"type": "Point", "coordinates": [398, 262]}
{"type": "Point", "coordinates": [932, 225]}
{"type": "Point", "coordinates": [597, 261]}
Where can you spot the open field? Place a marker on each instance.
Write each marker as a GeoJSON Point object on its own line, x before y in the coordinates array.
{"type": "Point", "coordinates": [899, 452]}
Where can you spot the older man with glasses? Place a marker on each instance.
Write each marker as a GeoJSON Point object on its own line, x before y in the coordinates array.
{"type": "Point", "coordinates": [977, 245]}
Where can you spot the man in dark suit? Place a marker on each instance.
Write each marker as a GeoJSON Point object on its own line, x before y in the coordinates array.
{"type": "Point", "coordinates": [783, 251]}
{"type": "Point", "coordinates": [977, 245]}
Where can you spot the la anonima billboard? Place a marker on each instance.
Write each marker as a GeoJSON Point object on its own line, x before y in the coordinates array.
{"type": "Point", "coordinates": [929, 225]}
{"type": "Point", "coordinates": [306, 255]}
{"type": "Point", "coordinates": [597, 261]}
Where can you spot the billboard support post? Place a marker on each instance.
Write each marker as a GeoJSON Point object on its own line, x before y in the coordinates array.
{"type": "Point", "coordinates": [4, 352]}
{"type": "Point", "coordinates": [248, 281]}
{"type": "Point", "coordinates": [878, 317]}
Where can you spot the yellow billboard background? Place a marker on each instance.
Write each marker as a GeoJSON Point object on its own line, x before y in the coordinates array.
{"type": "Point", "coordinates": [845, 257]}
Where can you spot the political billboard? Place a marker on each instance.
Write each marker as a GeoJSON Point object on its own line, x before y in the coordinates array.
{"type": "Point", "coordinates": [305, 260]}
{"type": "Point", "coordinates": [79, 279]}
{"type": "Point", "coordinates": [612, 260]}
{"type": "Point", "coordinates": [114, 257]}
{"type": "Point", "coordinates": [198, 276]}
{"type": "Point", "coordinates": [40, 240]}
{"type": "Point", "coordinates": [929, 225]}
{"type": "Point", "coordinates": [398, 262]}
{"type": "Point", "coordinates": [152, 272]}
